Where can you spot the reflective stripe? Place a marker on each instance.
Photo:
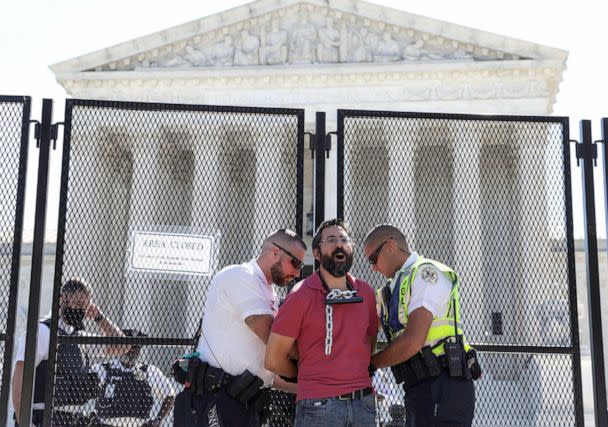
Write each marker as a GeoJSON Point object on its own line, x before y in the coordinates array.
{"type": "Point", "coordinates": [445, 321]}
{"type": "Point", "coordinates": [441, 327]}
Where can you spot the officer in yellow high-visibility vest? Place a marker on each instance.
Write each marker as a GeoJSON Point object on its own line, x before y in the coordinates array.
{"type": "Point", "coordinates": [427, 351]}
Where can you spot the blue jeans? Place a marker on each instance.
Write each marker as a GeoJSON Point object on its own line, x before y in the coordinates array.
{"type": "Point", "coordinates": [332, 412]}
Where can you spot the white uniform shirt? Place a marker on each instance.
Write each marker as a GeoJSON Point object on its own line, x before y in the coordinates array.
{"type": "Point", "coordinates": [42, 354]}
{"type": "Point", "coordinates": [160, 385]}
{"type": "Point", "coordinates": [431, 290]}
{"type": "Point", "coordinates": [42, 345]}
{"type": "Point", "coordinates": [235, 293]}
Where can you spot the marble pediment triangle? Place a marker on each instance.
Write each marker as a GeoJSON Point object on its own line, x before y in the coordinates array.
{"type": "Point", "coordinates": [294, 32]}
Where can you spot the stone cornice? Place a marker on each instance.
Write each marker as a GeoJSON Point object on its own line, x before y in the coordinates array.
{"type": "Point", "coordinates": [419, 82]}
{"type": "Point", "coordinates": [174, 39]}
{"type": "Point", "coordinates": [332, 73]}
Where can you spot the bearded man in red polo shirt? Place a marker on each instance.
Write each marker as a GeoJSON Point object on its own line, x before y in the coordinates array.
{"type": "Point", "coordinates": [331, 318]}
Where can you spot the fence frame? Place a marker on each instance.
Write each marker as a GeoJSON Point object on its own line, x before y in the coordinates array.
{"type": "Point", "coordinates": [574, 349]}
{"type": "Point", "coordinates": [13, 286]}
{"type": "Point", "coordinates": [56, 339]}
{"type": "Point", "coordinates": [47, 132]}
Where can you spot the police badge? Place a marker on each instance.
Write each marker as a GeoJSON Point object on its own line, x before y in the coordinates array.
{"type": "Point", "coordinates": [429, 275]}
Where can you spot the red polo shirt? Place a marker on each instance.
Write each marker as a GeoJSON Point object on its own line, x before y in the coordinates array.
{"type": "Point", "coordinates": [302, 317]}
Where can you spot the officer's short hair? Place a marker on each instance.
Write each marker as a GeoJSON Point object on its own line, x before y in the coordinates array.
{"type": "Point", "coordinates": [284, 236]}
{"type": "Point", "coordinates": [338, 222]}
{"type": "Point", "coordinates": [382, 232]}
{"type": "Point", "coordinates": [74, 285]}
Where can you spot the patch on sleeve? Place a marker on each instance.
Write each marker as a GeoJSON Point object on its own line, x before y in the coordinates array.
{"type": "Point", "coordinates": [429, 274]}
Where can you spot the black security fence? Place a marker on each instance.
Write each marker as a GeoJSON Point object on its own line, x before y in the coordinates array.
{"type": "Point", "coordinates": [154, 200]}
{"type": "Point", "coordinates": [489, 196]}
{"type": "Point", "coordinates": [14, 135]}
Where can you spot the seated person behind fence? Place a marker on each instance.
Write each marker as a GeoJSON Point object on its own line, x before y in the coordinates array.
{"type": "Point", "coordinates": [228, 384]}
{"type": "Point", "coordinates": [128, 389]}
{"type": "Point", "coordinates": [74, 384]}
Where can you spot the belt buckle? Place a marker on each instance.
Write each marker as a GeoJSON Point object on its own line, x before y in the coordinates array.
{"type": "Point", "coordinates": [347, 396]}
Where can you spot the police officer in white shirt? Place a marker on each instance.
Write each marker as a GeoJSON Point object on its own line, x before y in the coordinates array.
{"type": "Point", "coordinates": [420, 315]}
{"type": "Point", "coordinates": [241, 305]}
{"type": "Point", "coordinates": [74, 384]}
{"type": "Point", "coordinates": [129, 390]}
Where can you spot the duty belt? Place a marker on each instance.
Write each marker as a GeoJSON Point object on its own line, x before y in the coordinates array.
{"type": "Point", "coordinates": [215, 378]}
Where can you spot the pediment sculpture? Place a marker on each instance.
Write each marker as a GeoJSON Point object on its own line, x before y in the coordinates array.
{"type": "Point", "coordinates": [306, 34]}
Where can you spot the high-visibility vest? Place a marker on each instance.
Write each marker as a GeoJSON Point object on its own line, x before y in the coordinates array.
{"type": "Point", "coordinates": [394, 317]}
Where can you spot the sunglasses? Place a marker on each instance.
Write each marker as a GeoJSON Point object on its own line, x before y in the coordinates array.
{"type": "Point", "coordinates": [297, 264]}
{"type": "Point", "coordinates": [373, 258]}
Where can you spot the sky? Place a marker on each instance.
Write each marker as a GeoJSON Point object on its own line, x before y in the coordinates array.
{"type": "Point", "coordinates": [37, 33]}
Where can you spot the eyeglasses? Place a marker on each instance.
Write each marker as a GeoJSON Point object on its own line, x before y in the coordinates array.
{"type": "Point", "coordinates": [373, 258]}
{"type": "Point", "coordinates": [297, 264]}
{"type": "Point", "coordinates": [333, 241]}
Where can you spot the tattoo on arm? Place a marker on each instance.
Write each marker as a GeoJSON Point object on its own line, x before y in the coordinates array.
{"type": "Point", "coordinates": [260, 324]}
{"type": "Point", "coordinates": [252, 319]}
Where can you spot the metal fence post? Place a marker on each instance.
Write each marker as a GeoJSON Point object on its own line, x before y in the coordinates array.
{"type": "Point", "coordinates": [605, 161]}
{"type": "Point", "coordinates": [37, 259]}
{"type": "Point", "coordinates": [586, 151]}
{"type": "Point", "coordinates": [319, 211]}
{"type": "Point", "coordinates": [9, 334]}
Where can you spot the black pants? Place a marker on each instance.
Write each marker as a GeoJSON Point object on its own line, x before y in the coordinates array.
{"type": "Point", "coordinates": [440, 402]}
{"type": "Point", "coordinates": [37, 418]}
{"type": "Point", "coordinates": [60, 419]}
{"type": "Point", "coordinates": [211, 410]}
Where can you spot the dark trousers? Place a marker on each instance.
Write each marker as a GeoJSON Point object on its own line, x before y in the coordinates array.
{"type": "Point", "coordinates": [211, 410]}
{"type": "Point", "coordinates": [36, 419]}
{"type": "Point", "coordinates": [440, 402]}
{"type": "Point", "coordinates": [60, 419]}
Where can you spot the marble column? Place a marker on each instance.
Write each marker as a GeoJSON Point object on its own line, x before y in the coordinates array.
{"type": "Point", "coordinates": [468, 138]}
{"type": "Point", "coordinates": [366, 176]}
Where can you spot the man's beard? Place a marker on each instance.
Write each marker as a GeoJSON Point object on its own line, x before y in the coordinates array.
{"type": "Point", "coordinates": [334, 267]}
{"type": "Point", "coordinates": [278, 276]}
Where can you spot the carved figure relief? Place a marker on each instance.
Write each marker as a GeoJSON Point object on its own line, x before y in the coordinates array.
{"type": "Point", "coordinates": [329, 43]}
{"type": "Point", "coordinates": [195, 57]}
{"type": "Point", "coordinates": [274, 45]}
{"type": "Point", "coordinates": [303, 41]}
{"type": "Point", "coordinates": [247, 52]}
{"type": "Point", "coordinates": [388, 50]}
{"type": "Point", "coordinates": [222, 53]}
{"type": "Point", "coordinates": [303, 36]}
{"type": "Point", "coordinates": [359, 46]}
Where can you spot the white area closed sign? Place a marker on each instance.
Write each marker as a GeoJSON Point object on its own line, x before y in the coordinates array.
{"type": "Point", "coordinates": [171, 253]}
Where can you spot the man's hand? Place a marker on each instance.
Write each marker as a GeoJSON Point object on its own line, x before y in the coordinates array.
{"type": "Point", "coordinates": [92, 311]}
{"type": "Point", "coordinates": [280, 384]}
{"type": "Point", "coordinates": [108, 328]}
{"type": "Point", "coordinates": [408, 343]}
{"type": "Point", "coordinates": [156, 422]}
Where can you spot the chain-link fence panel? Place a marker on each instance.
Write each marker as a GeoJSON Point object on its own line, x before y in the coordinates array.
{"type": "Point", "coordinates": [490, 197]}
{"type": "Point", "coordinates": [14, 124]}
{"type": "Point", "coordinates": [155, 199]}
